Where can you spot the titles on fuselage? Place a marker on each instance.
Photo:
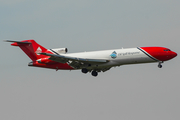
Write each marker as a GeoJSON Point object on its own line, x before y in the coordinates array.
{"type": "Point", "coordinates": [128, 53]}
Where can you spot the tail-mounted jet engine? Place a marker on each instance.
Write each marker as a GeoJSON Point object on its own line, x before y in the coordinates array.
{"type": "Point", "coordinates": [60, 50]}
{"type": "Point", "coordinates": [55, 51]}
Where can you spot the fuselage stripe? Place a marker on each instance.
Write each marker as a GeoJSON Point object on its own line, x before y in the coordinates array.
{"type": "Point", "coordinates": [53, 51]}
{"type": "Point", "coordinates": [147, 54]}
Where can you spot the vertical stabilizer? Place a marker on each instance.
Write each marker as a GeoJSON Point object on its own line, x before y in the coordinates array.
{"type": "Point", "coordinates": [31, 48]}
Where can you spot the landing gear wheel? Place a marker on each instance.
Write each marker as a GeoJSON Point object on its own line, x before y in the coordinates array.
{"type": "Point", "coordinates": [84, 70]}
{"type": "Point", "coordinates": [160, 66]}
{"type": "Point", "coordinates": [94, 73]}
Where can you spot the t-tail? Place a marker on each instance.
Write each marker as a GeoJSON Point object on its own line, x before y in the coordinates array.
{"type": "Point", "coordinates": [31, 48]}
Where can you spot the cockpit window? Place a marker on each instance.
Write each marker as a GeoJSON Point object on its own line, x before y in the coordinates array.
{"type": "Point", "coordinates": [167, 50]}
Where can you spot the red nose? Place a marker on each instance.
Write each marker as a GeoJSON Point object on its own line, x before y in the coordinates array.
{"type": "Point", "coordinates": [169, 55]}
{"type": "Point", "coordinates": [173, 54]}
{"type": "Point", "coordinates": [160, 53]}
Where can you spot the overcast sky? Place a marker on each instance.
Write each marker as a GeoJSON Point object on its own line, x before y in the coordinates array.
{"type": "Point", "coordinates": [131, 92]}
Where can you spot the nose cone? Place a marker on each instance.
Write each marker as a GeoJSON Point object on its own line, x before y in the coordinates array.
{"type": "Point", "coordinates": [170, 55]}
{"type": "Point", "coordinates": [173, 54]}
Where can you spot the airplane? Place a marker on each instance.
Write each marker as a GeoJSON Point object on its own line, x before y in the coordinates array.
{"type": "Point", "coordinates": [94, 61]}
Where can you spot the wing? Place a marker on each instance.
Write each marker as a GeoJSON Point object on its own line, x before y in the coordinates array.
{"type": "Point", "coordinates": [75, 61]}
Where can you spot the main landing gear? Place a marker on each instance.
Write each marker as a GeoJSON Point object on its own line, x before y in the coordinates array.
{"type": "Point", "coordinates": [93, 73]}
{"type": "Point", "coordinates": [84, 70]}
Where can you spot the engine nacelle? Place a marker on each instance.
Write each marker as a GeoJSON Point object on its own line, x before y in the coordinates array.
{"type": "Point", "coordinates": [60, 50]}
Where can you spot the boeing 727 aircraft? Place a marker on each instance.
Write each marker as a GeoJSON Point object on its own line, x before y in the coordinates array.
{"type": "Point", "coordinates": [93, 62]}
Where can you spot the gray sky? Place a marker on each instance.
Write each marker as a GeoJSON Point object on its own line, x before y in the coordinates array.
{"type": "Point", "coordinates": [132, 92]}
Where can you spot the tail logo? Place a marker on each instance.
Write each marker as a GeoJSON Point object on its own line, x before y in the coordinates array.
{"type": "Point", "coordinates": [114, 55]}
{"type": "Point", "coordinates": [39, 50]}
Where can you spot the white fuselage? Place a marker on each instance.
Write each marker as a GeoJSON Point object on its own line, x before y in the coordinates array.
{"type": "Point", "coordinates": [123, 56]}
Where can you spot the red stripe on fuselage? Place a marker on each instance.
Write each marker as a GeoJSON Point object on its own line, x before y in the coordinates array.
{"type": "Point", "coordinates": [160, 53]}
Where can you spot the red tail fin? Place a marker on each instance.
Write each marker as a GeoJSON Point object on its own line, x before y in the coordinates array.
{"type": "Point", "coordinates": [31, 48]}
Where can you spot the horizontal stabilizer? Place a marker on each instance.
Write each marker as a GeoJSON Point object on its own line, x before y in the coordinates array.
{"type": "Point", "coordinates": [17, 41]}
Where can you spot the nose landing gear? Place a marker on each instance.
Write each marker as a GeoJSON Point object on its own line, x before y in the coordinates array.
{"type": "Point", "coordinates": [159, 65]}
